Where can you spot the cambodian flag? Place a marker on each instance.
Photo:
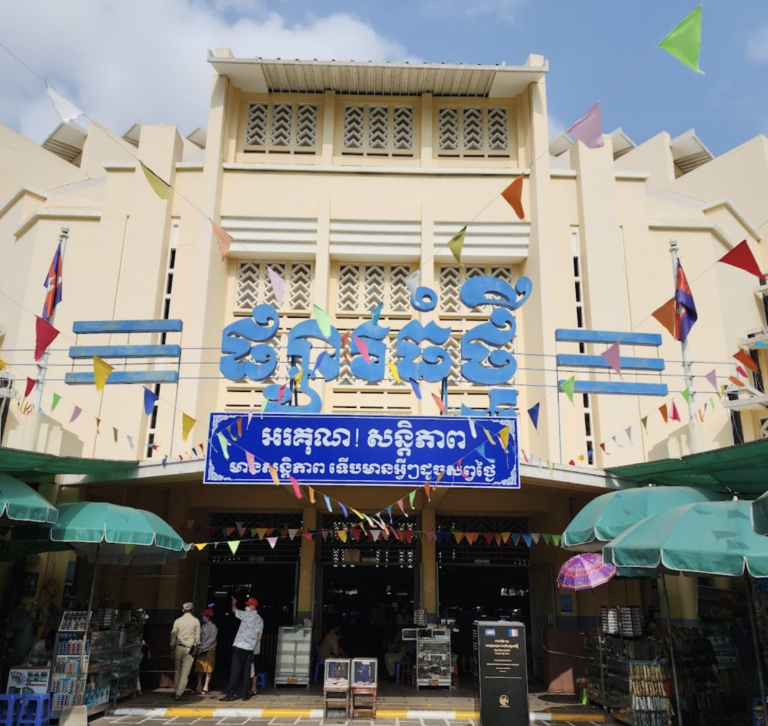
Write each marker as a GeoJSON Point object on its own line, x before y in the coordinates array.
{"type": "Point", "coordinates": [685, 310]}
{"type": "Point", "coordinates": [53, 285]}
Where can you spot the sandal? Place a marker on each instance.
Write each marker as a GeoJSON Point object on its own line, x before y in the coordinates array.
{"type": "Point", "coordinates": [204, 692]}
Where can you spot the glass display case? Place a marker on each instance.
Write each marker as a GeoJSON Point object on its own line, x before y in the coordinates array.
{"type": "Point", "coordinates": [294, 648]}
{"type": "Point", "coordinates": [337, 674]}
{"type": "Point", "coordinates": [433, 658]}
{"type": "Point", "coordinates": [125, 665]}
{"type": "Point", "coordinates": [69, 685]}
{"type": "Point", "coordinates": [364, 672]}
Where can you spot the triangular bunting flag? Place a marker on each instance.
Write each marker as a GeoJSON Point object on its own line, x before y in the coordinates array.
{"type": "Point", "coordinates": [233, 545]}
{"type": "Point", "coordinates": [513, 195]}
{"type": "Point", "coordinates": [504, 437]}
{"type": "Point", "coordinates": [376, 313]}
{"type": "Point", "coordinates": [666, 315]}
{"type": "Point", "coordinates": [743, 357]}
{"type": "Point", "coordinates": [644, 421]}
{"type": "Point", "coordinates": [675, 414]}
{"type": "Point", "coordinates": [342, 534]}
{"type": "Point", "coordinates": [45, 334]}
{"type": "Point", "coordinates": [412, 281]}
{"type": "Point", "coordinates": [201, 545]}
{"type": "Point", "coordinates": [393, 370]}
{"type": "Point", "coordinates": [440, 404]}
{"type": "Point", "coordinates": [224, 445]}
{"type": "Point", "coordinates": [30, 385]}
{"type": "Point", "coordinates": [272, 541]}
{"type": "Point", "coordinates": [589, 128]}
{"type": "Point", "coordinates": [66, 109]}
{"type": "Point", "coordinates": [664, 412]}
{"type": "Point", "coordinates": [686, 394]}
{"type": "Point", "coordinates": [459, 536]}
{"type": "Point", "coordinates": [567, 387]}
{"type": "Point", "coordinates": [628, 432]}
{"type": "Point", "coordinates": [456, 244]}
{"type": "Point", "coordinates": [323, 320]}
{"type": "Point", "coordinates": [251, 461]}
{"type": "Point", "coordinates": [363, 348]}
{"type": "Point", "coordinates": [535, 537]}
{"type": "Point", "coordinates": [296, 488]}
{"type": "Point", "coordinates": [311, 495]}
{"type": "Point", "coordinates": [278, 285]}
{"type": "Point", "coordinates": [556, 540]}
{"type": "Point", "coordinates": [612, 356]}
{"type": "Point", "coordinates": [411, 497]}
{"type": "Point", "coordinates": [533, 412]}
{"type": "Point", "coordinates": [101, 371]}
{"type": "Point", "coordinates": [149, 401]}
{"type": "Point", "coordinates": [712, 378]}
{"type": "Point", "coordinates": [684, 40]}
{"type": "Point", "coordinates": [273, 474]}
{"type": "Point", "coordinates": [187, 424]}
{"type": "Point", "coordinates": [527, 540]}
{"type": "Point", "coordinates": [741, 256]}
{"type": "Point", "coordinates": [415, 387]}
{"type": "Point", "coordinates": [547, 538]}
{"type": "Point", "coordinates": [328, 503]}
{"type": "Point", "coordinates": [161, 188]}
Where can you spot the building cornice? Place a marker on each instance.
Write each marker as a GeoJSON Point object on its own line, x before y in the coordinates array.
{"type": "Point", "coordinates": [729, 206]}
{"type": "Point", "coordinates": [57, 213]}
{"type": "Point", "coordinates": [385, 170]}
{"type": "Point", "coordinates": [691, 225]}
{"type": "Point", "coordinates": [25, 190]}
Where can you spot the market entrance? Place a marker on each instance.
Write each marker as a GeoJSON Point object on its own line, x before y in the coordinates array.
{"type": "Point", "coordinates": [368, 587]}
{"type": "Point", "coordinates": [486, 579]}
{"type": "Point", "coordinates": [253, 569]}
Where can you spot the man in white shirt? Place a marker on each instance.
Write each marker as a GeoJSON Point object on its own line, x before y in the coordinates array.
{"type": "Point", "coordinates": [248, 634]}
{"type": "Point", "coordinates": [185, 635]}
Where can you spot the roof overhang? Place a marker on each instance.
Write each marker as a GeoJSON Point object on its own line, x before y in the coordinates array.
{"type": "Point", "coordinates": [66, 141]}
{"type": "Point", "coordinates": [689, 152]}
{"type": "Point", "coordinates": [257, 75]}
{"type": "Point", "coordinates": [622, 144]}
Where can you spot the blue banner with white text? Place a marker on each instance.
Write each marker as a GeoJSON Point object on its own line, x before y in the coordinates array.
{"type": "Point", "coordinates": [319, 449]}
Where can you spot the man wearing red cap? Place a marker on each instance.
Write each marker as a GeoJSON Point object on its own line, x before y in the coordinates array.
{"type": "Point", "coordinates": [250, 630]}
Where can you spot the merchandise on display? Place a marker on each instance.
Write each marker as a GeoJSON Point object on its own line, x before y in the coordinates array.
{"type": "Point", "coordinates": [294, 649]}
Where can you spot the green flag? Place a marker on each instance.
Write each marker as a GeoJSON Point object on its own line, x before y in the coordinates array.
{"type": "Point", "coordinates": [686, 394]}
{"type": "Point", "coordinates": [556, 539]}
{"type": "Point", "coordinates": [547, 538]}
{"type": "Point", "coordinates": [412, 496]}
{"type": "Point", "coordinates": [644, 421]}
{"type": "Point", "coordinates": [323, 320]}
{"type": "Point", "coordinates": [129, 548]}
{"type": "Point", "coordinates": [457, 243]}
{"type": "Point", "coordinates": [56, 399]}
{"type": "Point", "coordinates": [264, 405]}
{"type": "Point", "coordinates": [224, 445]}
{"type": "Point", "coordinates": [684, 41]}
{"type": "Point", "coordinates": [567, 387]}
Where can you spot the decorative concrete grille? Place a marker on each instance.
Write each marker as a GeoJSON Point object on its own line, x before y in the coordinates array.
{"type": "Point", "coordinates": [399, 295]}
{"type": "Point", "coordinates": [764, 428]}
{"type": "Point", "coordinates": [373, 286]}
{"type": "Point", "coordinates": [306, 125]}
{"type": "Point", "coordinates": [498, 129]}
{"type": "Point", "coordinates": [403, 127]}
{"type": "Point", "coordinates": [254, 286]}
{"type": "Point", "coordinates": [272, 125]}
{"type": "Point", "coordinates": [280, 345]}
{"type": "Point", "coordinates": [448, 128]}
{"type": "Point", "coordinates": [349, 288]}
{"type": "Point", "coordinates": [282, 116]}
{"type": "Point", "coordinates": [451, 278]}
{"type": "Point", "coordinates": [378, 127]}
{"type": "Point", "coordinates": [473, 129]}
{"type": "Point", "coordinates": [354, 121]}
{"type": "Point", "coordinates": [256, 125]}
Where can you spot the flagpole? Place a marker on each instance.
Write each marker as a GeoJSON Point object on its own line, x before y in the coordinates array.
{"type": "Point", "coordinates": [696, 439]}
{"type": "Point", "coordinates": [42, 364]}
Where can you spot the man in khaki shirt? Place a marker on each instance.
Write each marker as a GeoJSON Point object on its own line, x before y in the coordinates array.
{"type": "Point", "coordinates": [185, 635]}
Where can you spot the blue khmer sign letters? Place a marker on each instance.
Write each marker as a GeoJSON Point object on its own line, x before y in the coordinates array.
{"type": "Point", "coordinates": [360, 449]}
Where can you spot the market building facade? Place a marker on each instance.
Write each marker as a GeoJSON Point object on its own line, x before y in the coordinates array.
{"type": "Point", "coordinates": [345, 179]}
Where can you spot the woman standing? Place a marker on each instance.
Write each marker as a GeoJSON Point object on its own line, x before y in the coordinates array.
{"type": "Point", "coordinates": [206, 660]}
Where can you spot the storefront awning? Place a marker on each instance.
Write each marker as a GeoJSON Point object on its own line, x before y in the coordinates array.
{"type": "Point", "coordinates": [30, 465]}
{"type": "Point", "coordinates": [739, 469]}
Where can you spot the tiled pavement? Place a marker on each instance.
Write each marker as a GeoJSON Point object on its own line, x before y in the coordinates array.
{"type": "Point", "coordinates": [301, 721]}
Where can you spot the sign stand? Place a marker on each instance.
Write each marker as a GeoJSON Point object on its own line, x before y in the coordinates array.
{"type": "Point", "coordinates": [500, 655]}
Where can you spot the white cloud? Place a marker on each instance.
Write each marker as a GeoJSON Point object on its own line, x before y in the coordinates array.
{"type": "Point", "coordinates": [503, 10]}
{"type": "Point", "coordinates": [146, 60]}
{"type": "Point", "coordinates": [757, 45]}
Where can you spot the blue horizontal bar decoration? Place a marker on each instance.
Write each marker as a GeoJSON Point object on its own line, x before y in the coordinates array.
{"type": "Point", "coordinates": [127, 326]}
{"type": "Point", "coordinates": [354, 450]}
{"type": "Point", "coordinates": [597, 361]}
{"type": "Point", "coordinates": [125, 351]}
{"type": "Point", "coordinates": [570, 335]}
{"type": "Point", "coordinates": [621, 389]}
{"type": "Point", "coordinates": [124, 377]}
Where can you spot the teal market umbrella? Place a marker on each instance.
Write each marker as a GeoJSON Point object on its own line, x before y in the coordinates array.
{"type": "Point", "coordinates": [110, 534]}
{"type": "Point", "coordinates": [21, 504]}
{"type": "Point", "coordinates": [715, 538]}
{"type": "Point", "coordinates": [760, 514]}
{"type": "Point", "coordinates": [609, 515]}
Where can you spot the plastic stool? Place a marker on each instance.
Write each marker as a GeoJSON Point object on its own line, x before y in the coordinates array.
{"type": "Point", "coordinates": [40, 704]}
{"type": "Point", "coordinates": [9, 707]}
{"type": "Point", "coordinates": [261, 680]}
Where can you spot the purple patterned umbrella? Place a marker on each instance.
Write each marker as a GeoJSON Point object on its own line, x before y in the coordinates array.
{"type": "Point", "coordinates": [585, 572]}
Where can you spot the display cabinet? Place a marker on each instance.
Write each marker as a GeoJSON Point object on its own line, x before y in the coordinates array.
{"type": "Point", "coordinates": [433, 658]}
{"type": "Point", "coordinates": [294, 648]}
{"type": "Point", "coordinates": [125, 665]}
{"type": "Point", "coordinates": [69, 685]}
{"type": "Point", "coordinates": [363, 691]}
{"type": "Point", "coordinates": [336, 688]}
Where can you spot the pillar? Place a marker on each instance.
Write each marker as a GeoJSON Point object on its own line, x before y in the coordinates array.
{"type": "Point", "coordinates": [307, 566]}
{"type": "Point", "coordinates": [428, 566]}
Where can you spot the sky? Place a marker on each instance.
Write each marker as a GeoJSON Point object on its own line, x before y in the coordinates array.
{"type": "Point", "coordinates": [145, 60]}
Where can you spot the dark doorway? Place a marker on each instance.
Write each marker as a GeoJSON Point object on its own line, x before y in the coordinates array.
{"type": "Point", "coordinates": [369, 603]}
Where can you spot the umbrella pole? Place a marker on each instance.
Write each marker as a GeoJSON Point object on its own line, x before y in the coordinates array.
{"type": "Point", "coordinates": [600, 648]}
{"type": "Point", "coordinates": [87, 624]}
{"type": "Point", "coordinates": [672, 651]}
{"type": "Point", "coordinates": [753, 628]}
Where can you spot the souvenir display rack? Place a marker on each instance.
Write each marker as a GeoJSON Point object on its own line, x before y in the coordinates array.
{"type": "Point", "coordinates": [68, 686]}
{"type": "Point", "coordinates": [294, 649]}
{"type": "Point", "coordinates": [648, 689]}
{"type": "Point", "coordinates": [623, 620]}
{"type": "Point", "coordinates": [336, 692]}
{"type": "Point", "coordinates": [433, 658]}
{"type": "Point", "coordinates": [363, 690]}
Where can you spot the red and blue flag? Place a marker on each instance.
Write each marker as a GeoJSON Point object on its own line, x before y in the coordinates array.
{"type": "Point", "coordinates": [53, 285]}
{"type": "Point", "coordinates": [685, 308]}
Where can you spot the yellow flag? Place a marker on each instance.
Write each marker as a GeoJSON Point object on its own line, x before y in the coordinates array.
{"type": "Point", "coordinates": [161, 188]}
{"type": "Point", "coordinates": [3, 364]}
{"type": "Point", "coordinates": [342, 534]}
{"type": "Point", "coordinates": [357, 513]}
{"type": "Point", "coordinates": [311, 495]}
{"type": "Point", "coordinates": [101, 371]}
{"type": "Point", "coordinates": [504, 436]}
{"type": "Point", "coordinates": [273, 473]}
{"type": "Point", "coordinates": [297, 377]}
{"type": "Point", "coordinates": [489, 437]}
{"type": "Point", "coordinates": [393, 371]}
{"type": "Point", "coordinates": [456, 244]}
{"type": "Point", "coordinates": [187, 422]}
{"type": "Point", "coordinates": [201, 545]}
